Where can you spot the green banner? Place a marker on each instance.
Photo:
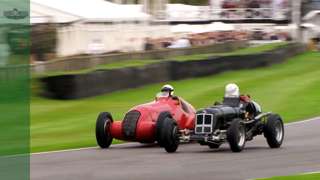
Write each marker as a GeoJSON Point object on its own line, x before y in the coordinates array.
{"type": "Point", "coordinates": [14, 90]}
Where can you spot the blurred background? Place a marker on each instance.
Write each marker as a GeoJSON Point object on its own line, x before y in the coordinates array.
{"type": "Point", "coordinates": [67, 28]}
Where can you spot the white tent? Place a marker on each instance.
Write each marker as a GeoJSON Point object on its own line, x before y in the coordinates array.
{"type": "Point", "coordinates": [181, 28]}
{"type": "Point", "coordinates": [220, 26]}
{"type": "Point", "coordinates": [86, 10]}
{"type": "Point", "coordinates": [182, 11]}
{"type": "Point", "coordinates": [40, 13]}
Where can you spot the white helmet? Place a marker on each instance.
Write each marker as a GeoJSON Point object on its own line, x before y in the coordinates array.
{"type": "Point", "coordinates": [167, 88]}
{"type": "Point", "coordinates": [232, 90]}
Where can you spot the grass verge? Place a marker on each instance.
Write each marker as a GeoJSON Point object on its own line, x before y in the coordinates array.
{"type": "Point", "coordinates": [139, 63]}
{"type": "Point", "coordinates": [313, 176]}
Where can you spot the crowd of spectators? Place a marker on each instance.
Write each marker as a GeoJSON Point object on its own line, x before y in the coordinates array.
{"type": "Point", "coordinates": [259, 34]}
{"type": "Point", "coordinates": [209, 38]}
{"type": "Point", "coordinates": [253, 9]}
{"type": "Point", "coordinates": [227, 4]}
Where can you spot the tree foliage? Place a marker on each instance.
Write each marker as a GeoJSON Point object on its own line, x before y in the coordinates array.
{"type": "Point", "coordinates": [43, 40]}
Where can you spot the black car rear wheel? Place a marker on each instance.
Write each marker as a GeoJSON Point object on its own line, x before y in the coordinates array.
{"type": "Point", "coordinates": [274, 131]}
{"type": "Point", "coordinates": [236, 135]}
{"type": "Point", "coordinates": [103, 124]}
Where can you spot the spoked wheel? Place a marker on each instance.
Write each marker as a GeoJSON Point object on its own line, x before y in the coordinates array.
{"type": "Point", "coordinates": [274, 131]}
{"type": "Point", "coordinates": [103, 136]}
{"type": "Point", "coordinates": [236, 135]}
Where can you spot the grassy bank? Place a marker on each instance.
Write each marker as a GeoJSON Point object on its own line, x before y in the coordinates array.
{"type": "Point", "coordinates": [290, 89]}
{"type": "Point", "coordinates": [137, 62]}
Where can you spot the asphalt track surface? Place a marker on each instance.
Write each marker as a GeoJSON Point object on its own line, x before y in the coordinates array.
{"type": "Point", "coordinates": [300, 153]}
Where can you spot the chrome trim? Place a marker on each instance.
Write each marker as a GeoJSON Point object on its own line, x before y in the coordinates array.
{"type": "Point", "coordinates": [262, 115]}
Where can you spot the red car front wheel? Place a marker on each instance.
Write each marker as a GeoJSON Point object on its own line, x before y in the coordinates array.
{"type": "Point", "coordinates": [103, 135]}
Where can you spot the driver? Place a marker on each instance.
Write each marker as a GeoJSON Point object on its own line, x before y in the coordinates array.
{"type": "Point", "coordinates": [168, 88]}
{"type": "Point", "coordinates": [251, 107]}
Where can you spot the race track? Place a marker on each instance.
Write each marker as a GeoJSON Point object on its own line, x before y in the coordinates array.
{"type": "Point", "coordinates": [299, 153]}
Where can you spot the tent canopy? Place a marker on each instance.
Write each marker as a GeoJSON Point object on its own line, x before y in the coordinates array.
{"type": "Point", "coordinates": [86, 10]}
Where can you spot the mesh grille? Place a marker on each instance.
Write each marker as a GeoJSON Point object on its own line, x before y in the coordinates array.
{"type": "Point", "coordinates": [129, 124]}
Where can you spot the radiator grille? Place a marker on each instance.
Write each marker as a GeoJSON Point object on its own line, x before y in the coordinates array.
{"type": "Point", "coordinates": [204, 123]}
{"type": "Point", "coordinates": [129, 124]}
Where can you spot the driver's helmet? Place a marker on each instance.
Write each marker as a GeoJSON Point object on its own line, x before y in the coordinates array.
{"type": "Point", "coordinates": [232, 91]}
{"type": "Point", "coordinates": [167, 88]}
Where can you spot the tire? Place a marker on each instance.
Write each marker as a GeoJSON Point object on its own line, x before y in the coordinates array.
{"type": "Point", "coordinates": [214, 146]}
{"type": "Point", "coordinates": [169, 135]}
{"type": "Point", "coordinates": [103, 136]}
{"type": "Point", "coordinates": [159, 126]}
{"type": "Point", "coordinates": [274, 131]}
{"type": "Point", "coordinates": [236, 135]}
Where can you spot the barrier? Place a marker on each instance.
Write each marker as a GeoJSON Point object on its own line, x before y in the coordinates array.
{"type": "Point", "coordinates": [105, 81]}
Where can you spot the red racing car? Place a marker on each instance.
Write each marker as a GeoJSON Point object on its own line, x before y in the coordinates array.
{"type": "Point", "coordinates": [158, 120]}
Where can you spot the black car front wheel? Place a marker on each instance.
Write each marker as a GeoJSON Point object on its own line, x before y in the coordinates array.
{"type": "Point", "coordinates": [236, 135]}
{"type": "Point", "coordinates": [274, 131]}
{"type": "Point", "coordinates": [103, 124]}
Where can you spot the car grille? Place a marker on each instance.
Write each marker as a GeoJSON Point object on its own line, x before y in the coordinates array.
{"type": "Point", "coordinates": [204, 123]}
{"type": "Point", "coordinates": [129, 124]}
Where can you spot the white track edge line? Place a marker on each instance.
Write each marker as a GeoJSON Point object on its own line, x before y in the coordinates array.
{"type": "Point", "coordinates": [304, 121]}
{"type": "Point", "coordinates": [79, 149]}
{"type": "Point", "coordinates": [119, 145]}
{"type": "Point", "coordinates": [312, 172]}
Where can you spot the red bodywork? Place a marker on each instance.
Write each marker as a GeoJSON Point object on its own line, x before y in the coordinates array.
{"type": "Point", "coordinates": [180, 110]}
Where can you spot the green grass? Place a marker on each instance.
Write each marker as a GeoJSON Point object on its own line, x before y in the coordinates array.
{"type": "Point", "coordinates": [290, 89]}
{"type": "Point", "coordinates": [113, 65]}
{"type": "Point", "coordinates": [313, 176]}
{"type": "Point", "coordinates": [137, 62]}
{"type": "Point", "coordinates": [243, 51]}
{"type": "Point", "coordinates": [127, 63]}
